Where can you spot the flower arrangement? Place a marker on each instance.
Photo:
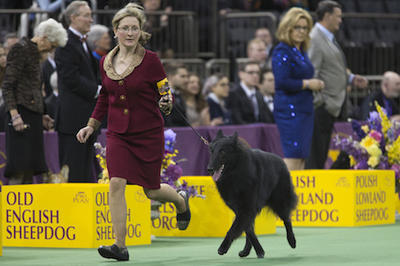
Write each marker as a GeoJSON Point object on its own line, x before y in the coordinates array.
{"type": "Point", "coordinates": [375, 143]}
{"type": "Point", "coordinates": [101, 156]}
{"type": "Point", "coordinates": [170, 170]}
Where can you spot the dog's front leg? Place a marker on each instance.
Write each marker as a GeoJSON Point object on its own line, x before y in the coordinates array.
{"type": "Point", "coordinates": [237, 228]}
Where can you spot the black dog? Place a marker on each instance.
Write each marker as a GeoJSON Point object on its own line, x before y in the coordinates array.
{"type": "Point", "coordinates": [247, 180]}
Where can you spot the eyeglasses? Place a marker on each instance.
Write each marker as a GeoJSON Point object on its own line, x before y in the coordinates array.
{"type": "Point", "coordinates": [299, 28]}
{"type": "Point", "coordinates": [224, 84]}
{"type": "Point", "coordinates": [126, 29]}
{"type": "Point", "coordinates": [253, 72]}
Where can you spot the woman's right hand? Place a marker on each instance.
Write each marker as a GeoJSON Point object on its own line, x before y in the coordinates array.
{"type": "Point", "coordinates": [315, 84]}
{"type": "Point", "coordinates": [84, 134]}
{"type": "Point", "coordinates": [18, 123]}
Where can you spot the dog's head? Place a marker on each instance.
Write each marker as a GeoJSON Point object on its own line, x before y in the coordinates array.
{"type": "Point", "coordinates": [222, 153]}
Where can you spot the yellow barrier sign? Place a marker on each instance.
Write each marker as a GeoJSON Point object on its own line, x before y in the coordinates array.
{"type": "Point", "coordinates": [69, 216]}
{"type": "Point", "coordinates": [344, 197]}
{"type": "Point", "coordinates": [1, 227]}
{"type": "Point", "coordinates": [210, 216]}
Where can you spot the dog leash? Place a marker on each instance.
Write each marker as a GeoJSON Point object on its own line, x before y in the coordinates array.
{"type": "Point", "coordinates": [195, 131]}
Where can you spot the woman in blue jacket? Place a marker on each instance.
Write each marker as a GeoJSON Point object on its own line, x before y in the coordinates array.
{"type": "Point", "coordinates": [293, 101]}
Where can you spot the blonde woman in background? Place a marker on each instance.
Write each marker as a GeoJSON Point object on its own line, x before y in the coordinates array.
{"type": "Point", "coordinates": [294, 86]}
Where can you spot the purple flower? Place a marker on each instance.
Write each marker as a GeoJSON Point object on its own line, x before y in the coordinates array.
{"type": "Point", "coordinates": [374, 121]}
{"type": "Point", "coordinates": [396, 169]}
{"type": "Point", "coordinates": [362, 164]}
{"type": "Point", "coordinates": [173, 172]}
{"type": "Point", "coordinates": [384, 163]}
{"type": "Point", "coordinates": [357, 129]}
{"type": "Point", "coordinates": [170, 137]}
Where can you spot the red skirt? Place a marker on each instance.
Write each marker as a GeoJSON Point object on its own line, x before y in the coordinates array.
{"type": "Point", "coordinates": [137, 157]}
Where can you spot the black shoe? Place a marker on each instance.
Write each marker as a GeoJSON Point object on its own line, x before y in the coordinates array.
{"type": "Point", "coordinates": [114, 252]}
{"type": "Point", "coordinates": [183, 219]}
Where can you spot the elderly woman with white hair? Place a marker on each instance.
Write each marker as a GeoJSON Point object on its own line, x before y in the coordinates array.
{"type": "Point", "coordinates": [99, 41]}
{"type": "Point", "coordinates": [24, 102]}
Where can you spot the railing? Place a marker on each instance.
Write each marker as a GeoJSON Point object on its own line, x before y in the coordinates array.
{"type": "Point", "coordinates": [179, 35]}
{"type": "Point", "coordinates": [236, 29]}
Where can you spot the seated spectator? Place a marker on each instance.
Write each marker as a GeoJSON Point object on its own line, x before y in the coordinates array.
{"type": "Point", "coordinates": [178, 79]}
{"type": "Point", "coordinates": [217, 89]}
{"type": "Point", "coordinates": [99, 41]}
{"type": "Point", "coordinates": [157, 26]}
{"type": "Point", "coordinates": [267, 88]}
{"type": "Point", "coordinates": [264, 35]}
{"type": "Point", "coordinates": [246, 102]}
{"type": "Point", "coordinates": [257, 52]}
{"type": "Point", "coordinates": [196, 106]}
{"type": "Point", "coordinates": [52, 101]}
{"type": "Point", "coordinates": [48, 67]}
{"type": "Point", "coordinates": [53, 6]}
{"type": "Point", "coordinates": [3, 61]}
{"type": "Point", "coordinates": [9, 40]}
{"type": "Point", "coordinates": [390, 89]}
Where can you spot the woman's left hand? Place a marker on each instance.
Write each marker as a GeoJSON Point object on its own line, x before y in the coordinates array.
{"type": "Point", "coordinates": [165, 104]}
{"type": "Point", "coordinates": [48, 122]}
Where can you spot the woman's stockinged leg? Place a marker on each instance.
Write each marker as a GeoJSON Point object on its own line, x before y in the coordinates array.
{"type": "Point", "coordinates": [294, 163]}
{"type": "Point", "coordinates": [168, 194]}
{"type": "Point", "coordinates": [118, 209]}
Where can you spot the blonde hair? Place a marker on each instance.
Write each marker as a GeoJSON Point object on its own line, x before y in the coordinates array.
{"type": "Point", "coordinates": [286, 26]}
{"type": "Point", "coordinates": [132, 10]}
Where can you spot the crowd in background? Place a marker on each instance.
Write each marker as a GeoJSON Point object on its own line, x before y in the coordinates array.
{"type": "Point", "coordinates": [215, 100]}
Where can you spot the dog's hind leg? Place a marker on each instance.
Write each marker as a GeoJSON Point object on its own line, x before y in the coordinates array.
{"type": "Point", "coordinates": [289, 233]}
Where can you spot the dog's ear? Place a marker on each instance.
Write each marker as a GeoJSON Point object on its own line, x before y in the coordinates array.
{"type": "Point", "coordinates": [219, 134]}
{"type": "Point", "coordinates": [235, 137]}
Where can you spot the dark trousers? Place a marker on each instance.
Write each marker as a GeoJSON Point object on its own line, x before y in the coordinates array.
{"type": "Point", "coordinates": [79, 157]}
{"type": "Point", "coordinates": [323, 126]}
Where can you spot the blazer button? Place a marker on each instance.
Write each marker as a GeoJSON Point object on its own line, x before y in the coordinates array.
{"type": "Point", "coordinates": [121, 82]}
{"type": "Point", "coordinates": [126, 111]}
{"type": "Point", "coordinates": [122, 97]}
{"type": "Point", "coordinates": [32, 102]}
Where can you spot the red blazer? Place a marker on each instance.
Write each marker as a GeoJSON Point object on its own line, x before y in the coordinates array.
{"type": "Point", "coordinates": [132, 103]}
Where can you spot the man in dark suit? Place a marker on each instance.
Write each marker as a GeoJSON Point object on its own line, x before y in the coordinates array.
{"type": "Point", "coordinates": [52, 100]}
{"type": "Point", "coordinates": [246, 102]}
{"type": "Point", "coordinates": [178, 78]}
{"type": "Point", "coordinates": [78, 85]}
{"type": "Point", "coordinates": [47, 69]}
{"type": "Point", "coordinates": [390, 90]}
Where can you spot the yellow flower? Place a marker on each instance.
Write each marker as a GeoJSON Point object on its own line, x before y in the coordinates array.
{"type": "Point", "coordinates": [365, 128]}
{"type": "Point", "coordinates": [352, 161]}
{"type": "Point", "coordinates": [373, 161]}
{"type": "Point", "coordinates": [386, 124]}
{"type": "Point", "coordinates": [393, 151]}
{"type": "Point", "coordinates": [374, 150]}
{"type": "Point", "coordinates": [367, 142]}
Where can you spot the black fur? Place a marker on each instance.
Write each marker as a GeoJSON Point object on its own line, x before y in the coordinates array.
{"type": "Point", "coordinates": [250, 180]}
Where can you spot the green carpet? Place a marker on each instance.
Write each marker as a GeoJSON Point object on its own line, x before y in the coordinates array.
{"type": "Point", "coordinates": [373, 245]}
